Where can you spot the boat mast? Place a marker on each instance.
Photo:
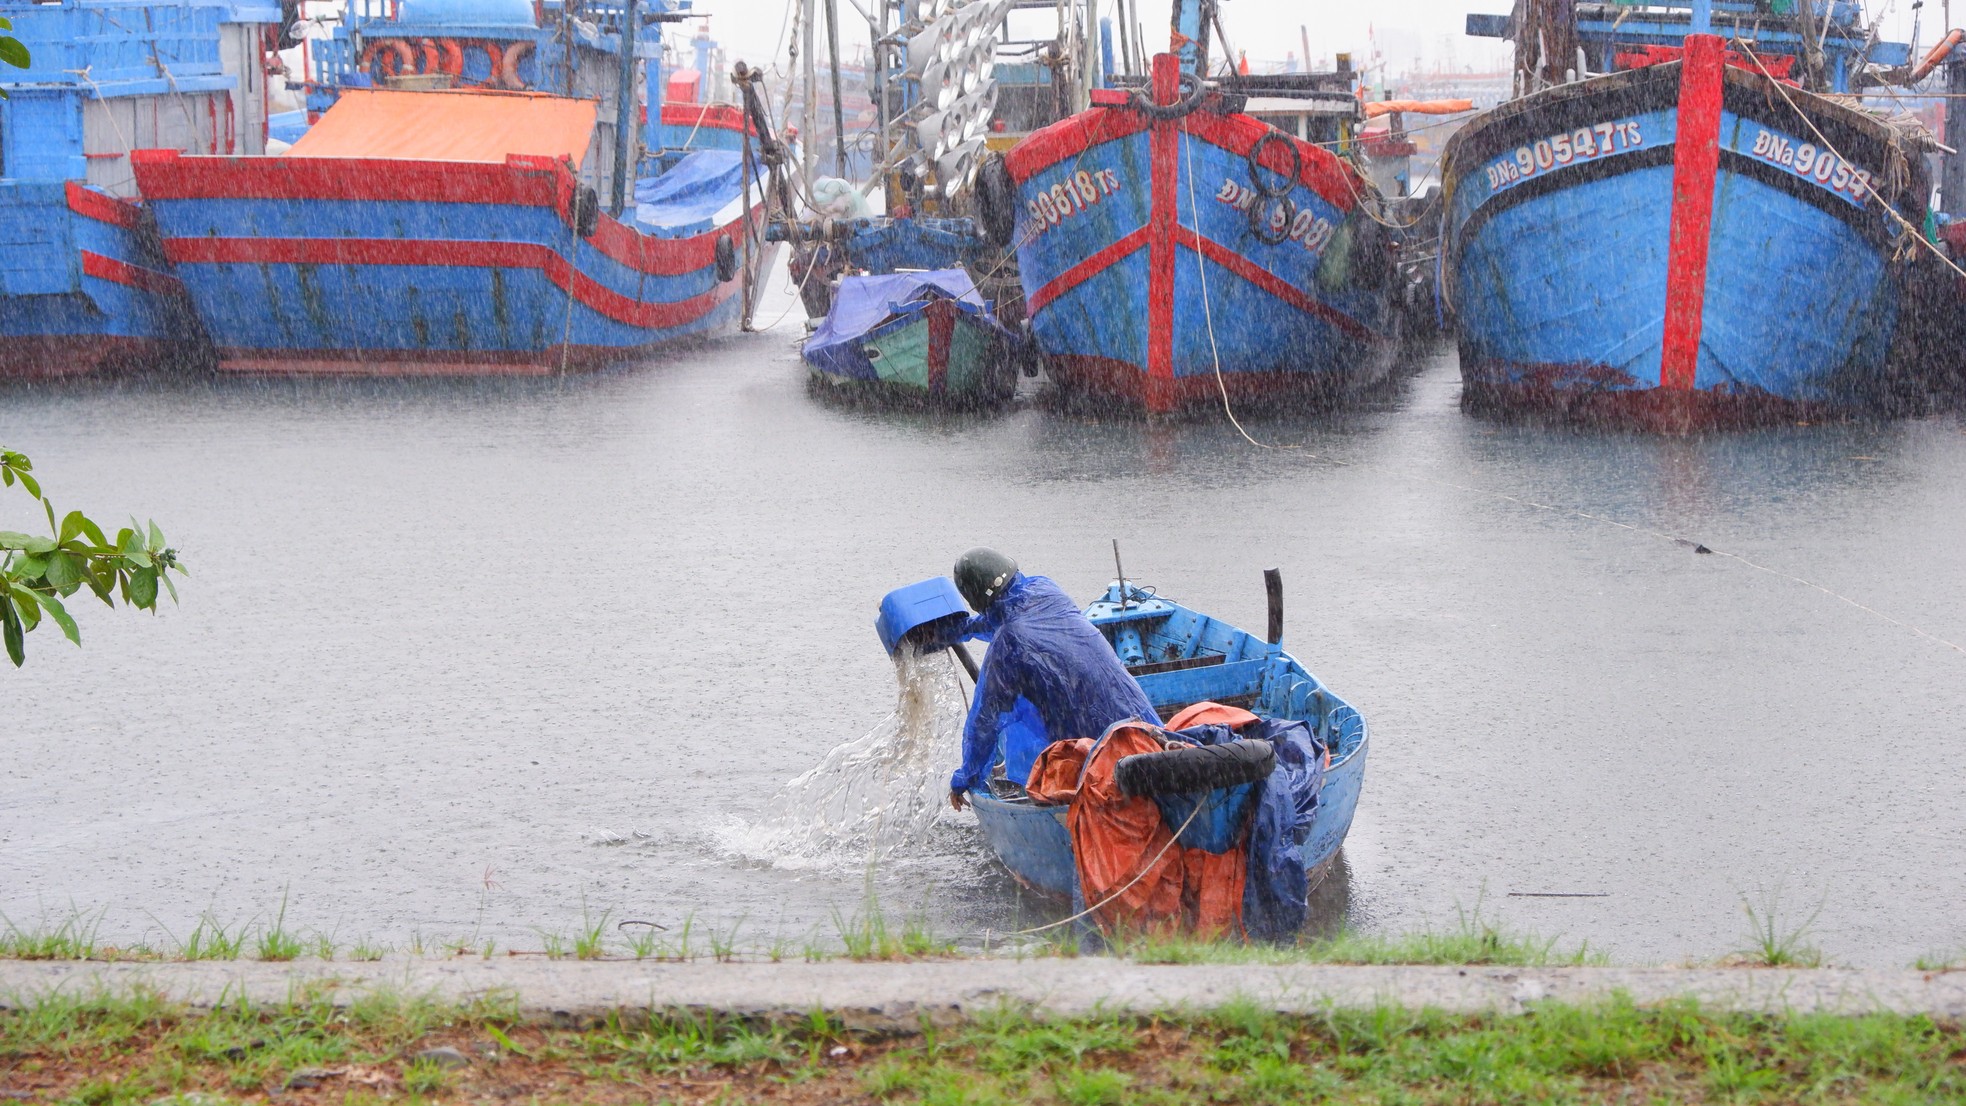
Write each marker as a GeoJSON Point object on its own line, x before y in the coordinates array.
{"type": "Point", "coordinates": [1545, 43]}
{"type": "Point", "coordinates": [1190, 34]}
{"type": "Point", "coordinates": [624, 108]}
{"type": "Point", "coordinates": [839, 102]}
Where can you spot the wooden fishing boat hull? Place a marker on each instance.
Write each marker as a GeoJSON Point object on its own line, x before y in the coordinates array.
{"type": "Point", "coordinates": [940, 354]}
{"type": "Point", "coordinates": [1674, 243]}
{"type": "Point", "coordinates": [1032, 841]}
{"type": "Point", "coordinates": [1159, 273]}
{"type": "Point", "coordinates": [85, 285]}
{"type": "Point", "coordinates": [395, 266]}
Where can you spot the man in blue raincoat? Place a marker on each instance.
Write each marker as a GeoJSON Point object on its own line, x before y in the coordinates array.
{"type": "Point", "coordinates": [1049, 674]}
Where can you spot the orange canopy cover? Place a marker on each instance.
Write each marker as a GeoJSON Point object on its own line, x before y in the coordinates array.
{"type": "Point", "coordinates": [1375, 108]}
{"type": "Point", "coordinates": [461, 125]}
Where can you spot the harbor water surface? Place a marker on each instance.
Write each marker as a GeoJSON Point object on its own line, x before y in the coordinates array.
{"type": "Point", "coordinates": [466, 659]}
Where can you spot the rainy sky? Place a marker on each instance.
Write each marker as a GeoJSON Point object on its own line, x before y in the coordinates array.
{"type": "Point", "coordinates": [1402, 30]}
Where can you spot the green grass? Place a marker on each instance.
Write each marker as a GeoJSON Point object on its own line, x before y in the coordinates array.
{"type": "Point", "coordinates": [1772, 943]}
{"type": "Point", "coordinates": [141, 1049]}
{"type": "Point", "coordinates": [1473, 940]}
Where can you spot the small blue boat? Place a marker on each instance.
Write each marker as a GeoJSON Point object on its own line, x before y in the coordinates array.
{"type": "Point", "coordinates": [1678, 227]}
{"type": "Point", "coordinates": [466, 215]}
{"type": "Point", "coordinates": [928, 337]}
{"type": "Point", "coordinates": [1181, 657]}
{"type": "Point", "coordinates": [83, 284]}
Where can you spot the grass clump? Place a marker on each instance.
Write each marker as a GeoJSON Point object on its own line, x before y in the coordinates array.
{"type": "Point", "coordinates": [141, 1049]}
{"type": "Point", "coordinates": [1772, 943]}
{"type": "Point", "coordinates": [1473, 941]}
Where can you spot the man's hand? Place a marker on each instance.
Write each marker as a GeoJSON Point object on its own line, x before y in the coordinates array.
{"type": "Point", "coordinates": [958, 800]}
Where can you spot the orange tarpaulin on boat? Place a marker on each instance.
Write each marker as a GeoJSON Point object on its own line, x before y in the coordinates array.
{"type": "Point", "coordinates": [1375, 108]}
{"type": "Point", "coordinates": [449, 126]}
{"type": "Point", "coordinates": [1125, 853]}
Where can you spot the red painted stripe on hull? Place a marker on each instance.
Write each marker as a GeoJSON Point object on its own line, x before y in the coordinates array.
{"type": "Point", "coordinates": [101, 207]}
{"type": "Point", "coordinates": [1162, 218]}
{"type": "Point", "coordinates": [1085, 270]}
{"type": "Point", "coordinates": [1124, 382]}
{"type": "Point", "coordinates": [369, 362]}
{"type": "Point", "coordinates": [1331, 178]}
{"type": "Point", "coordinates": [522, 181]}
{"type": "Point", "coordinates": [429, 252]}
{"type": "Point", "coordinates": [1271, 283]}
{"type": "Point", "coordinates": [134, 276]}
{"type": "Point", "coordinates": [1696, 162]}
{"type": "Point", "coordinates": [46, 356]}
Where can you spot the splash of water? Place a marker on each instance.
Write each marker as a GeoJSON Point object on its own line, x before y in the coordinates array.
{"type": "Point", "coordinates": [879, 795]}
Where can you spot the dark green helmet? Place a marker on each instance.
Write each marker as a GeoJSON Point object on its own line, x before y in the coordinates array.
{"type": "Point", "coordinates": [981, 575]}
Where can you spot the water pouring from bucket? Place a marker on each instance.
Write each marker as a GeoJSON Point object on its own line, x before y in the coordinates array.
{"type": "Point", "coordinates": [880, 794]}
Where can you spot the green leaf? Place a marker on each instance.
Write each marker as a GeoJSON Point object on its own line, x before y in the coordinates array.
{"type": "Point", "coordinates": [71, 525]}
{"type": "Point", "coordinates": [156, 538]}
{"type": "Point", "coordinates": [32, 485]}
{"type": "Point", "coordinates": [166, 577]}
{"type": "Point", "coordinates": [138, 558]}
{"type": "Point", "coordinates": [64, 568]}
{"type": "Point", "coordinates": [14, 539]}
{"type": "Point", "coordinates": [62, 618]}
{"type": "Point", "coordinates": [94, 534]}
{"type": "Point", "coordinates": [50, 508]}
{"type": "Point", "coordinates": [31, 567]}
{"type": "Point", "coordinates": [128, 539]}
{"type": "Point", "coordinates": [37, 546]}
{"type": "Point", "coordinates": [143, 588]}
{"type": "Point", "coordinates": [13, 53]}
{"type": "Point", "coordinates": [10, 627]}
{"type": "Point", "coordinates": [29, 606]}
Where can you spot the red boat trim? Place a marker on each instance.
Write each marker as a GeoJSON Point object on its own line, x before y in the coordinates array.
{"type": "Point", "coordinates": [103, 208]}
{"type": "Point", "coordinates": [1333, 180]}
{"type": "Point", "coordinates": [1271, 283]}
{"type": "Point", "coordinates": [522, 181]}
{"type": "Point", "coordinates": [392, 251]}
{"type": "Point", "coordinates": [1121, 380]}
{"type": "Point", "coordinates": [1165, 216]}
{"type": "Point", "coordinates": [1696, 162]}
{"type": "Point", "coordinates": [1085, 270]}
{"type": "Point", "coordinates": [725, 117]}
{"type": "Point", "coordinates": [135, 276]}
{"type": "Point", "coordinates": [941, 328]}
{"type": "Point", "coordinates": [48, 356]}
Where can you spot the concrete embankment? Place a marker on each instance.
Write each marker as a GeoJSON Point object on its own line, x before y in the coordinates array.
{"type": "Point", "coordinates": [874, 996]}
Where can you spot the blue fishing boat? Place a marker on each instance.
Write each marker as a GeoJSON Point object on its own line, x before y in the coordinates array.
{"type": "Point", "coordinates": [1173, 249]}
{"type": "Point", "coordinates": [927, 337]}
{"type": "Point", "coordinates": [1680, 218]}
{"type": "Point", "coordinates": [1181, 658]}
{"type": "Point", "coordinates": [466, 214]}
{"type": "Point", "coordinates": [83, 283]}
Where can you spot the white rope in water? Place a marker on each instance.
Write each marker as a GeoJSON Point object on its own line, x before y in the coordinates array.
{"type": "Point", "coordinates": [1227, 409]}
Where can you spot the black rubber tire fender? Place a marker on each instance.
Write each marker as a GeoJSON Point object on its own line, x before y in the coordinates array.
{"type": "Point", "coordinates": [1188, 768]}
{"type": "Point", "coordinates": [1259, 175]}
{"type": "Point", "coordinates": [996, 201]}
{"type": "Point", "coordinates": [1259, 218]}
{"type": "Point", "coordinates": [1194, 92]}
{"type": "Point", "coordinates": [726, 254]}
{"type": "Point", "coordinates": [586, 211]}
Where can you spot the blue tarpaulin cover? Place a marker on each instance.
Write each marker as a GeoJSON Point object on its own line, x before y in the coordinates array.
{"type": "Point", "coordinates": [886, 245]}
{"type": "Point", "coordinates": [685, 199]}
{"type": "Point", "coordinates": [863, 303]}
{"type": "Point", "coordinates": [1045, 654]}
{"type": "Point", "coordinates": [1276, 895]}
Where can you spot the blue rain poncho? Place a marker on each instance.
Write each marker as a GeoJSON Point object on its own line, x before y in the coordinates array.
{"type": "Point", "coordinates": [1049, 676]}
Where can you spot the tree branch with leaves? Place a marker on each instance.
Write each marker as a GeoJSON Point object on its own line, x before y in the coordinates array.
{"type": "Point", "coordinates": [37, 574]}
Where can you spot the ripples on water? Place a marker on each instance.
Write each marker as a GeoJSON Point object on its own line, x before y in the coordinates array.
{"type": "Point", "coordinates": [441, 637]}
